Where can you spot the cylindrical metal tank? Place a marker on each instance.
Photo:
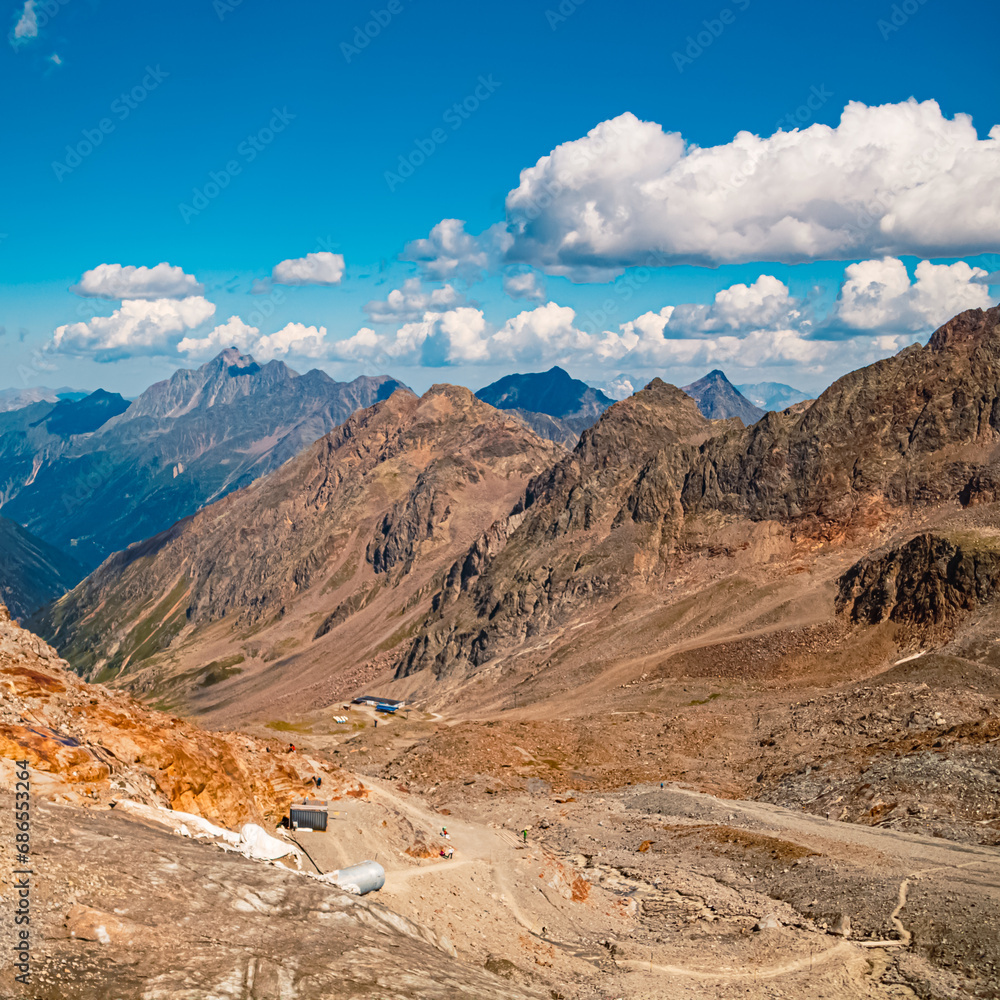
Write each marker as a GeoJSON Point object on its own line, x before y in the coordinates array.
{"type": "Point", "coordinates": [369, 876]}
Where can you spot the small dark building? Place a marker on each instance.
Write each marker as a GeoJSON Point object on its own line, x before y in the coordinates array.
{"type": "Point", "coordinates": [308, 815]}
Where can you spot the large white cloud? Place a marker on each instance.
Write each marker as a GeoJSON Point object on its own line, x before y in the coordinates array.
{"type": "Point", "coordinates": [877, 296]}
{"type": "Point", "coordinates": [233, 333]}
{"type": "Point", "coordinates": [894, 179]}
{"type": "Point", "coordinates": [293, 338]}
{"type": "Point", "coordinates": [113, 281]}
{"type": "Point", "coordinates": [411, 302]}
{"type": "Point", "coordinates": [765, 304]}
{"type": "Point", "coordinates": [138, 327]}
{"type": "Point", "coordinates": [450, 252]}
{"type": "Point", "coordinates": [321, 268]}
{"type": "Point", "coordinates": [27, 23]}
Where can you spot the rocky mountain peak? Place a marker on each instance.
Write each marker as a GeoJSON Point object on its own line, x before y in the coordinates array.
{"type": "Point", "coordinates": [967, 331]}
{"type": "Point", "coordinates": [719, 399]}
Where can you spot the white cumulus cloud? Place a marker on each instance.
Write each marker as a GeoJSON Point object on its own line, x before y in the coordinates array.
{"type": "Point", "coordinates": [113, 281]}
{"type": "Point", "coordinates": [321, 268]}
{"type": "Point", "coordinates": [888, 180]}
{"type": "Point", "coordinates": [877, 296]}
{"type": "Point", "coordinates": [233, 333]}
{"type": "Point", "coordinates": [293, 338]}
{"type": "Point", "coordinates": [409, 303]}
{"type": "Point", "coordinates": [450, 252]}
{"type": "Point", "coordinates": [138, 327]}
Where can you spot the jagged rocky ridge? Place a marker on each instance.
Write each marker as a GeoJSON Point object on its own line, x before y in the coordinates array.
{"type": "Point", "coordinates": [406, 481]}
{"type": "Point", "coordinates": [920, 428]}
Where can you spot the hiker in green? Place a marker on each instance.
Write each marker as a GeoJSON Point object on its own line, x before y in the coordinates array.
{"type": "Point", "coordinates": [524, 833]}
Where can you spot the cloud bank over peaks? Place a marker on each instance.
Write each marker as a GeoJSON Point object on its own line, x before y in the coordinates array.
{"type": "Point", "coordinates": [877, 297]}
{"type": "Point", "coordinates": [138, 327]}
{"type": "Point", "coordinates": [888, 180]}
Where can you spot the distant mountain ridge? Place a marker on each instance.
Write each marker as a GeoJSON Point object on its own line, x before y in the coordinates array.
{"type": "Point", "coordinates": [94, 475]}
{"type": "Point", "coordinates": [17, 399]}
{"type": "Point", "coordinates": [719, 399]}
{"type": "Point", "coordinates": [553, 403]}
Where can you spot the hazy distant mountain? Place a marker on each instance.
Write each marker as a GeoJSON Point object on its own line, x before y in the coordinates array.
{"type": "Point", "coordinates": [772, 395]}
{"type": "Point", "coordinates": [32, 573]}
{"type": "Point", "coordinates": [184, 442]}
{"type": "Point", "coordinates": [81, 416]}
{"type": "Point", "coordinates": [553, 403]}
{"type": "Point", "coordinates": [719, 399]}
{"type": "Point", "coordinates": [16, 399]}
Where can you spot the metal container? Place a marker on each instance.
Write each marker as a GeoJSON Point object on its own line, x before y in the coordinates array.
{"type": "Point", "coordinates": [369, 876]}
{"type": "Point", "coordinates": [306, 818]}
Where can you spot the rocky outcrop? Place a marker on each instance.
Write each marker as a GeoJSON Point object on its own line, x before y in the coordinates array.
{"type": "Point", "coordinates": [928, 580]}
{"type": "Point", "coordinates": [86, 743]}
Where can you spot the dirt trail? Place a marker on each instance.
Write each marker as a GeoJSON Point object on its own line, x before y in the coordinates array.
{"type": "Point", "coordinates": [843, 950]}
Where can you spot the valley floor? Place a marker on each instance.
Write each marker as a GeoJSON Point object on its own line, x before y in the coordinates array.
{"type": "Point", "coordinates": [640, 893]}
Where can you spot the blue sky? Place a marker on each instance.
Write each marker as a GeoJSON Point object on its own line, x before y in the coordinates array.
{"type": "Point", "coordinates": [335, 99]}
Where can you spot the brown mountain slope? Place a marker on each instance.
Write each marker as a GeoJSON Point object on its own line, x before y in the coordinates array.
{"type": "Point", "coordinates": [636, 515]}
{"type": "Point", "coordinates": [332, 556]}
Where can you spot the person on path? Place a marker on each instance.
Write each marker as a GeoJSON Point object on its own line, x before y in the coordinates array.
{"type": "Point", "coordinates": [524, 833]}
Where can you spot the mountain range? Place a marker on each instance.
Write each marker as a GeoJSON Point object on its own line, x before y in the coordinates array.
{"type": "Point", "coordinates": [471, 537]}
{"type": "Point", "coordinates": [333, 555]}
{"type": "Point", "coordinates": [90, 476]}
{"type": "Point", "coordinates": [785, 631]}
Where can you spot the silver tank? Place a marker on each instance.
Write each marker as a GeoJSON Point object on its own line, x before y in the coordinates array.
{"type": "Point", "coordinates": [369, 876]}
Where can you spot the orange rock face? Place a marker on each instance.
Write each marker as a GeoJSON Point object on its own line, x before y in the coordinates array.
{"type": "Point", "coordinates": [85, 743]}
